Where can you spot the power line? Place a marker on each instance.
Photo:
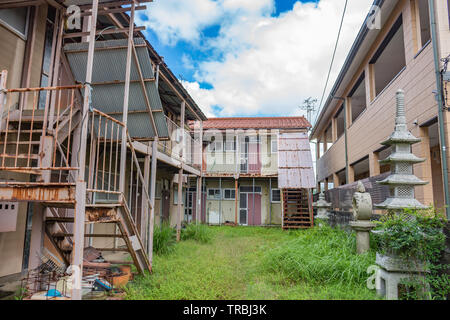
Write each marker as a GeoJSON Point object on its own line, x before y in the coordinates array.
{"type": "Point", "coordinates": [332, 60]}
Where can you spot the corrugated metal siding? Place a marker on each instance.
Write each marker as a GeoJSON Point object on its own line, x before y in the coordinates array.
{"type": "Point", "coordinates": [295, 166]}
{"type": "Point", "coordinates": [110, 65]}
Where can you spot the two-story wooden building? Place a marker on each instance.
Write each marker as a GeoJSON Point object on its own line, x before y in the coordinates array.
{"type": "Point", "coordinates": [399, 48]}
{"type": "Point", "coordinates": [92, 123]}
{"type": "Point", "coordinates": [248, 163]}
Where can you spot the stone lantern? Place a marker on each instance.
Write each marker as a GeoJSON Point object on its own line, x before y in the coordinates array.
{"type": "Point", "coordinates": [362, 212]}
{"type": "Point", "coordinates": [402, 181]}
{"type": "Point", "coordinates": [323, 207]}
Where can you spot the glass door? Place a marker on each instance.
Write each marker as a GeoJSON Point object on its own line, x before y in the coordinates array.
{"type": "Point", "coordinates": [243, 210]}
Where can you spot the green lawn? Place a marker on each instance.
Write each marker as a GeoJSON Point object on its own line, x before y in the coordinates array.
{"type": "Point", "coordinates": [259, 263]}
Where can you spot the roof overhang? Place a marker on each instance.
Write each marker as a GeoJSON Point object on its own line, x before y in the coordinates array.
{"type": "Point", "coordinates": [358, 53]}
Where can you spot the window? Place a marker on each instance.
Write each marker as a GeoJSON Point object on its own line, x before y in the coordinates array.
{"type": "Point", "coordinates": [215, 146]}
{"type": "Point", "coordinates": [175, 196]}
{"type": "Point", "coordinates": [158, 190]}
{"type": "Point", "coordinates": [249, 189]}
{"type": "Point", "coordinates": [358, 98]}
{"type": "Point", "coordinates": [389, 60]}
{"type": "Point", "coordinates": [274, 144]}
{"type": "Point", "coordinates": [230, 145]}
{"type": "Point", "coordinates": [15, 19]}
{"type": "Point", "coordinates": [423, 18]}
{"type": "Point", "coordinates": [340, 122]}
{"type": "Point", "coordinates": [214, 194]}
{"type": "Point", "coordinates": [50, 26]}
{"type": "Point", "coordinates": [229, 194]}
{"type": "Point", "coordinates": [275, 196]}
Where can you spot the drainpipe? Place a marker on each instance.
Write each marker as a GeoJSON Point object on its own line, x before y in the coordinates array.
{"type": "Point", "coordinates": [344, 105]}
{"type": "Point", "coordinates": [441, 106]}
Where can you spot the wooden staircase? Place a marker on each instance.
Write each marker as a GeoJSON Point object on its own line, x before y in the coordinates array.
{"type": "Point", "coordinates": [297, 209]}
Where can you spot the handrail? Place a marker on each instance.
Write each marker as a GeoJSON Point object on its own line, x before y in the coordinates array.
{"type": "Point", "coordinates": [141, 177]}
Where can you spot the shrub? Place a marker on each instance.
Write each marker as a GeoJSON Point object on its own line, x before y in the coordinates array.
{"type": "Point", "coordinates": [321, 256]}
{"type": "Point", "coordinates": [197, 232]}
{"type": "Point", "coordinates": [164, 238]}
{"type": "Point", "coordinates": [417, 237]}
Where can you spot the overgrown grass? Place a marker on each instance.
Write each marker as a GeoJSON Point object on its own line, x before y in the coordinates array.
{"type": "Point", "coordinates": [198, 232]}
{"type": "Point", "coordinates": [321, 256]}
{"type": "Point", "coordinates": [237, 263]}
{"type": "Point", "coordinates": [163, 239]}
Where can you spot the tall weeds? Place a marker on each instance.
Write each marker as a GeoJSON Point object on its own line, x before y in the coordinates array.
{"type": "Point", "coordinates": [321, 256]}
{"type": "Point", "coordinates": [164, 239]}
{"type": "Point", "coordinates": [197, 232]}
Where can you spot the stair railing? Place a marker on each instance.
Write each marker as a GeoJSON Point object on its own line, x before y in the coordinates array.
{"type": "Point", "coordinates": [26, 143]}
{"type": "Point", "coordinates": [104, 170]}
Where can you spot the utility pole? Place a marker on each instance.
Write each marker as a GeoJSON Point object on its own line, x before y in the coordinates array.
{"type": "Point", "coordinates": [310, 106]}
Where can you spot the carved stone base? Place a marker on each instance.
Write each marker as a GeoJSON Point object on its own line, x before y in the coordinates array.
{"type": "Point", "coordinates": [362, 229]}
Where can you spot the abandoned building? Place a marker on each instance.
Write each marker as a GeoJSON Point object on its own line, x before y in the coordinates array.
{"type": "Point", "coordinates": [91, 118]}
{"type": "Point", "coordinates": [360, 111]}
{"type": "Point", "coordinates": [100, 142]}
{"type": "Point", "coordinates": [250, 167]}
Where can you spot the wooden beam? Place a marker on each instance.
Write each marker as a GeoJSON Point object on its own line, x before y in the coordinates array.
{"type": "Point", "coordinates": [178, 94]}
{"type": "Point", "coordinates": [109, 31]}
{"type": "Point", "coordinates": [152, 200]}
{"type": "Point", "coordinates": [180, 198]}
{"type": "Point", "coordinates": [198, 205]}
{"type": "Point", "coordinates": [236, 201]}
{"type": "Point", "coordinates": [126, 96]}
{"type": "Point", "coordinates": [112, 11]}
{"type": "Point", "coordinates": [77, 256]}
{"type": "Point", "coordinates": [145, 210]}
{"type": "Point", "coordinates": [18, 4]}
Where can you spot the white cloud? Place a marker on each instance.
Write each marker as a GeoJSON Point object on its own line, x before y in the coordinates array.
{"type": "Point", "coordinates": [173, 20]}
{"type": "Point", "coordinates": [203, 97]}
{"type": "Point", "coordinates": [268, 65]}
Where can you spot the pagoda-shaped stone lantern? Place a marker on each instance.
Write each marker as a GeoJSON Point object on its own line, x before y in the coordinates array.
{"type": "Point", "coordinates": [402, 181]}
{"type": "Point", "coordinates": [323, 207]}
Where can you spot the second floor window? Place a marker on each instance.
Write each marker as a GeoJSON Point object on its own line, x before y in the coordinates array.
{"type": "Point", "coordinates": [274, 145]}
{"type": "Point", "coordinates": [15, 19]}
{"type": "Point", "coordinates": [230, 146]}
{"type": "Point", "coordinates": [215, 146]}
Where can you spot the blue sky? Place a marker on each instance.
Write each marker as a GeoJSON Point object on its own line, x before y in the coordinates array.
{"type": "Point", "coordinates": [250, 57]}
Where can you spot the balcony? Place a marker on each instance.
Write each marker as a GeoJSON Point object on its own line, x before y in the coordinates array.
{"type": "Point", "coordinates": [181, 145]}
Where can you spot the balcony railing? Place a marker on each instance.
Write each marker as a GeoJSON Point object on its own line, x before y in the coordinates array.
{"type": "Point", "coordinates": [182, 146]}
{"type": "Point", "coordinates": [35, 129]}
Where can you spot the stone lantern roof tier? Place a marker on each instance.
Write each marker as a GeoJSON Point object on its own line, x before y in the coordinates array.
{"type": "Point", "coordinates": [402, 157]}
{"type": "Point", "coordinates": [402, 179]}
{"type": "Point", "coordinates": [398, 137]}
{"type": "Point", "coordinates": [401, 203]}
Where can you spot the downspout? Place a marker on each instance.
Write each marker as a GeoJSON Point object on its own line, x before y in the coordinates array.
{"type": "Point", "coordinates": [441, 107]}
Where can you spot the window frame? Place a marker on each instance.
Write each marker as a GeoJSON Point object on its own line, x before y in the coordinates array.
{"type": "Point", "coordinates": [271, 195]}
{"type": "Point", "coordinates": [215, 144]}
{"type": "Point", "coordinates": [272, 140]}
{"type": "Point", "coordinates": [208, 197]}
{"type": "Point", "coordinates": [23, 36]}
{"type": "Point", "coordinates": [226, 143]}
{"type": "Point", "coordinates": [231, 190]}
{"type": "Point", "coordinates": [175, 196]}
{"type": "Point", "coordinates": [420, 42]}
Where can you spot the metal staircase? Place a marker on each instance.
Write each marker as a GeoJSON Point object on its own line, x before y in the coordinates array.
{"type": "Point", "coordinates": [297, 210]}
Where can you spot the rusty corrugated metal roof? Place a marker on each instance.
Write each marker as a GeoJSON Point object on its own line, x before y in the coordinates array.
{"type": "Point", "coordinates": [295, 166]}
{"type": "Point", "coordinates": [257, 123]}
